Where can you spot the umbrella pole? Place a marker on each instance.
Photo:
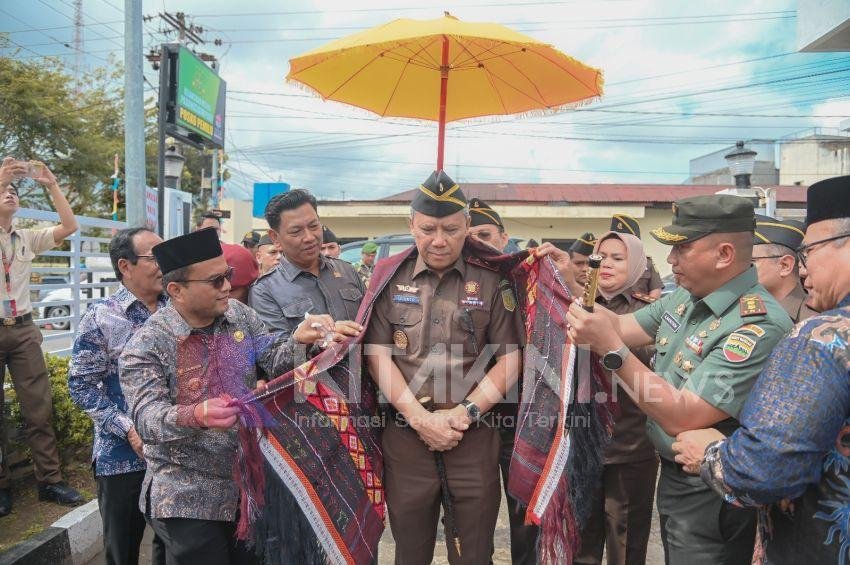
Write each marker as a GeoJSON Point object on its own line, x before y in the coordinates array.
{"type": "Point", "coordinates": [444, 85]}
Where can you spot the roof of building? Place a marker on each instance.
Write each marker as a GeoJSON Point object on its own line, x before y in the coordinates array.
{"type": "Point", "coordinates": [645, 194]}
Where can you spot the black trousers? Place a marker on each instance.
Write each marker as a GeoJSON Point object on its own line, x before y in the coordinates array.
{"type": "Point", "coordinates": [123, 522]}
{"type": "Point", "coordinates": [201, 542]}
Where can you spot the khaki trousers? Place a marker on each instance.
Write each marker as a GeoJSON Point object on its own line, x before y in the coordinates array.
{"type": "Point", "coordinates": [20, 351]}
{"type": "Point", "coordinates": [412, 488]}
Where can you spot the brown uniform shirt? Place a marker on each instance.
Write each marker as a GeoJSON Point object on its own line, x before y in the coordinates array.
{"type": "Point", "coordinates": [438, 327]}
{"type": "Point", "coordinates": [795, 305]}
{"type": "Point", "coordinates": [649, 280]}
{"type": "Point", "coordinates": [630, 441]}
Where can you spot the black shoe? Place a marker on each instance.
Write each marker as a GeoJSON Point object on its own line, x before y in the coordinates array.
{"type": "Point", "coordinates": [59, 493]}
{"type": "Point", "coordinates": [5, 501]}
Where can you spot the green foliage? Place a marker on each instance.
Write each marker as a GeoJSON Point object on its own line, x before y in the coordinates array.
{"type": "Point", "coordinates": [73, 427]}
{"type": "Point", "coordinates": [77, 131]}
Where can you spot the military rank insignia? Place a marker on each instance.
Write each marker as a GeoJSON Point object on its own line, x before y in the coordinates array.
{"type": "Point", "coordinates": [752, 305]}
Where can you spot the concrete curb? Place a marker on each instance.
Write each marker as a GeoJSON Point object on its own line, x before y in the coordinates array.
{"type": "Point", "coordinates": [74, 539]}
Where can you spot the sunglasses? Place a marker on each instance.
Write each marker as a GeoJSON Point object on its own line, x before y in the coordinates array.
{"type": "Point", "coordinates": [217, 281]}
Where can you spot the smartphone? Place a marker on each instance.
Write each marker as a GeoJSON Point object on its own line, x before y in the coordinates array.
{"type": "Point", "coordinates": [34, 169]}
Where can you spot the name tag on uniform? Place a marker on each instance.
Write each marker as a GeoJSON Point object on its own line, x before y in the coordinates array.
{"type": "Point", "coordinates": [406, 298]}
{"type": "Point", "coordinates": [671, 321]}
{"type": "Point", "coordinates": [472, 302]}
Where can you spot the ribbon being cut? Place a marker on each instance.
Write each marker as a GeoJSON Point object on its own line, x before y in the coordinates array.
{"type": "Point", "coordinates": [319, 433]}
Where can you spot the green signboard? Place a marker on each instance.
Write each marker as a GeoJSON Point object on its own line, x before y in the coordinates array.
{"type": "Point", "coordinates": [200, 99]}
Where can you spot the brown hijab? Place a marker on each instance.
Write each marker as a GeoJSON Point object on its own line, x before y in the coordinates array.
{"type": "Point", "coordinates": [635, 256]}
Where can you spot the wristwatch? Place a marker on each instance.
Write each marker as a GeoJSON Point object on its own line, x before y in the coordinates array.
{"type": "Point", "coordinates": [613, 360]}
{"type": "Point", "coordinates": [472, 410]}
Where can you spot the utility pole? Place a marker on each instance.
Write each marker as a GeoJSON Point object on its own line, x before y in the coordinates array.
{"type": "Point", "coordinates": [134, 115]}
{"type": "Point", "coordinates": [78, 43]}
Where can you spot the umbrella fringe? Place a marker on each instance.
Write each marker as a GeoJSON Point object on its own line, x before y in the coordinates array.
{"type": "Point", "coordinates": [474, 120]}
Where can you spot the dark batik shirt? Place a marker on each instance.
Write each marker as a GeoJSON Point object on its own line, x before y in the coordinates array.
{"type": "Point", "coordinates": [166, 369]}
{"type": "Point", "coordinates": [794, 444]}
{"type": "Point", "coordinates": [104, 330]}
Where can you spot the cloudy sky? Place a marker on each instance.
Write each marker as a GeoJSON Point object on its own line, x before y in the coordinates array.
{"type": "Point", "coordinates": [682, 79]}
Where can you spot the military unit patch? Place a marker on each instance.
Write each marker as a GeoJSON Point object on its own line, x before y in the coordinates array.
{"type": "Point", "coordinates": [405, 299]}
{"type": "Point", "coordinates": [752, 305]}
{"type": "Point", "coordinates": [508, 299]}
{"type": "Point", "coordinates": [738, 347]}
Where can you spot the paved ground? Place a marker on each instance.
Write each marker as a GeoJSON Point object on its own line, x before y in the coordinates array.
{"type": "Point", "coordinates": [655, 553]}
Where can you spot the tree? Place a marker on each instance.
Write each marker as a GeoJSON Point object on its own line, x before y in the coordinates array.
{"type": "Point", "coordinates": [76, 133]}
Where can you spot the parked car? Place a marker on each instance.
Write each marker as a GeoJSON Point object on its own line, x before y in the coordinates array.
{"type": "Point", "coordinates": [392, 244]}
{"type": "Point", "coordinates": [47, 311]}
{"type": "Point", "coordinates": [57, 280]}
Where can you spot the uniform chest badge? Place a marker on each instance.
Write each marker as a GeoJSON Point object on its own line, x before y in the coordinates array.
{"type": "Point", "coordinates": [680, 309]}
{"type": "Point", "coordinates": [407, 288]}
{"type": "Point", "coordinates": [337, 274]}
{"type": "Point", "coordinates": [238, 335]}
{"type": "Point", "coordinates": [714, 325]}
{"type": "Point", "coordinates": [687, 366]}
{"type": "Point", "coordinates": [677, 360]}
{"type": "Point", "coordinates": [694, 343]}
{"type": "Point", "coordinates": [400, 339]}
{"type": "Point", "coordinates": [703, 334]}
{"type": "Point", "coordinates": [472, 288]}
{"type": "Point", "coordinates": [663, 341]}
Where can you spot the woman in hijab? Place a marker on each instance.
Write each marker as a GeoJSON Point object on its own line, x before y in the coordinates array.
{"type": "Point", "coordinates": [622, 511]}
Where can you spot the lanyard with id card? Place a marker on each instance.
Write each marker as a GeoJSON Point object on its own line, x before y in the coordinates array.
{"type": "Point", "coordinates": [10, 306]}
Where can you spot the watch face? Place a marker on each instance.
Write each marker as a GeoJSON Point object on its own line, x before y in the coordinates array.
{"type": "Point", "coordinates": [612, 361]}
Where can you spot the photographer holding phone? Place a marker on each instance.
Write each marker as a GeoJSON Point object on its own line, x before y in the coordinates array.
{"type": "Point", "coordinates": [20, 338]}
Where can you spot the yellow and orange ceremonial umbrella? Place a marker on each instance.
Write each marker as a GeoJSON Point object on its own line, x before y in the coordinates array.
{"type": "Point", "coordinates": [445, 70]}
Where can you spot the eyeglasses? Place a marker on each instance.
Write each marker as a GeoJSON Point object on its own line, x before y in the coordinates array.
{"type": "Point", "coordinates": [769, 257]}
{"type": "Point", "coordinates": [217, 281]}
{"type": "Point", "coordinates": [804, 250]}
{"type": "Point", "coordinates": [150, 258]}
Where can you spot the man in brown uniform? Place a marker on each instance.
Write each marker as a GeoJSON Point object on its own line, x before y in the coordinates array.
{"type": "Point", "coordinates": [774, 256]}
{"type": "Point", "coordinates": [650, 283]}
{"type": "Point", "coordinates": [438, 321]}
{"type": "Point", "coordinates": [20, 338]}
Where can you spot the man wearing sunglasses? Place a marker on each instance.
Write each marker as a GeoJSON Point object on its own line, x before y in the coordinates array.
{"type": "Point", "coordinates": [775, 246]}
{"type": "Point", "coordinates": [179, 373]}
{"type": "Point", "coordinates": [791, 456]}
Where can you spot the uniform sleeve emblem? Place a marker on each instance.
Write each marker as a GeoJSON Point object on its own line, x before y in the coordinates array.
{"type": "Point", "coordinates": [738, 347]}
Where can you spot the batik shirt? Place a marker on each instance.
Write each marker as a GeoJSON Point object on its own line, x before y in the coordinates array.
{"type": "Point", "coordinates": [167, 369]}
{"type": "Point", "coordinates": [794, 444]}
{"type": "Point", "coordinates": [104, 330]}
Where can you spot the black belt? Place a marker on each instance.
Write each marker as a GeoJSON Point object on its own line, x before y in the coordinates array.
{"type": "Point", "coordinates": [16, 320]}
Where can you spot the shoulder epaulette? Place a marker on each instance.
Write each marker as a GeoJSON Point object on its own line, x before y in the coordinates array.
{"type": "Point", "coordinates": [643, 297]}
{"type": "Point", "coordinates": [479, 263]}
{"type": "Point", "coordinates": [264, 275]}
{"type": "Point", "coordinates": [752, 305]}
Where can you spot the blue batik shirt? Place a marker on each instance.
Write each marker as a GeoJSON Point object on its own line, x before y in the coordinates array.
{"type": "Point", "coordinates": [794, 446]}
{"type": "Point", "coordinates": [104, 330]}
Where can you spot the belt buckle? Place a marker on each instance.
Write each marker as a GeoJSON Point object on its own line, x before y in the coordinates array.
{"type": "Point", "coordinates": [8, 321]}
